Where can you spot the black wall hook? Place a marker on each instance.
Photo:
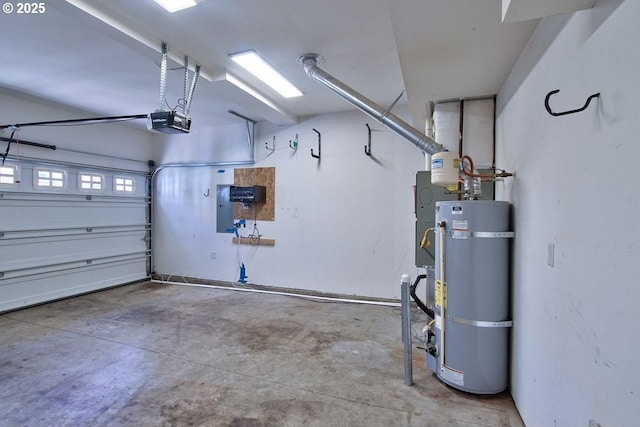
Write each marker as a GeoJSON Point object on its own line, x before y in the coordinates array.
{"type": "Point", "coordinates": [584, 107]}
{"type": "Point", "coordinates": [367, 148]}
{"type": "Point", "coordinates": [317, 156]}
{"type": "Point", "coordinates": [273, 147]}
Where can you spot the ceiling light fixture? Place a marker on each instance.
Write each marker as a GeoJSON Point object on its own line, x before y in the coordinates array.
{"type": "Point", "coordinates": [260, 68]}
{"type": "Point", "coordinates": [176, 5]}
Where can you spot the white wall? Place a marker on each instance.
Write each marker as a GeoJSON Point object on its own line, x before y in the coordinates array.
{"type": "Point", "coordinates": [220, 144]}
{"type": "Point", "coordinates": [575, 336]}
{"type": "Point", "coordinates": [344, 224]}
{"type": "Point", "coordinates": [109, 145]}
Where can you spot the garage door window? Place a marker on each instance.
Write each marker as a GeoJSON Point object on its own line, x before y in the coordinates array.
{"type": "Point", "coordinates": [51, 179]}
{"type": "Point", "coordinates": [8, 175]}
{"type": "Point", "coordinates": [122, 184]}
{"type": "Point", "coordinates": [90, 182]}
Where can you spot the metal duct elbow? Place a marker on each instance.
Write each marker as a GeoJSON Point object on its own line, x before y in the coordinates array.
{"type": "Point", "coordinates": [310, 61]}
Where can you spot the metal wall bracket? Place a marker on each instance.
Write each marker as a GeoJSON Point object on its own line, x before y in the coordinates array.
{"type": "Point", "coordinates": [273, 146]}
{"type": "Point", "coordinates": [251, 130]}
{"type": "Point", "coordinates": [317, 156]}
{"type": "Point", "coordinates": [553, 113]}
{"type": "Point", "coordinates": [367, 148]}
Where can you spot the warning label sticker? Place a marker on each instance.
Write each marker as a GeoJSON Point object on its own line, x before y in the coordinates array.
{"type": "Point", "coordinates": [460, 229]}
{"type": "Point", "coordinates": [452, 375]}
{"type": "Point", "coordinates": [441, 293]}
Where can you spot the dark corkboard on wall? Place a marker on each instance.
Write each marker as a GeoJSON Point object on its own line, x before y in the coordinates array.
{"type": "Point", "coordinates": [256, 176]}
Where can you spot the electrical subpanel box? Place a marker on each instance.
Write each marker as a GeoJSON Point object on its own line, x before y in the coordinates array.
{"type": "Point", "coordinates": [224, 211]}
{"type": "Point", "coordinates": [426, 196]}
{"type": "Point", "coordinates": [253, 194]}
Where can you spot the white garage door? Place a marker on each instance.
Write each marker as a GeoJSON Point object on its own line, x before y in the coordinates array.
{"type": "Point", "coordinates": [69, 229]}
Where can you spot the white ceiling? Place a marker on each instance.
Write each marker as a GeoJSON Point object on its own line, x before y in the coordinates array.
{"type": "Point", "coordinates": [434, 50]}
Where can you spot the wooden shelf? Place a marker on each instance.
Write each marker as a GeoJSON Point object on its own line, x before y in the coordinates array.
{"type": "Point", "coordinates": [261, 242]}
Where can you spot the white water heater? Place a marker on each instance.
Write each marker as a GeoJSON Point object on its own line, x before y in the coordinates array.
{"type": "Point", "coordinates": [472, 318]}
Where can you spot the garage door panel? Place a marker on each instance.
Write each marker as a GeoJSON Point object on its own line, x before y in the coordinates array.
{"type": "Point", "coordinates": [61, 242]}
{"type": "Point", "coordinates": [24, 253]}
{"type": "Point", "coordinates": [25, 211]}
{"type": "Point", "coordinates": [35, 289]}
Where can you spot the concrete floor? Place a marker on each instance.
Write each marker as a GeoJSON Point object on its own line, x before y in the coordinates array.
{"type": "Point", "coordinates": [151, 354]}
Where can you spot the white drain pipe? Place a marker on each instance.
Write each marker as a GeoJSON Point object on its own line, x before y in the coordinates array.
{"type": "Point", "coordinates": [286, 294]}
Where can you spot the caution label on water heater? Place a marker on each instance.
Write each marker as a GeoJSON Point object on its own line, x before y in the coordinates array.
{"type": "Point", "coordinates": [441, 293]}
{"type": "Point", "coordinates": [454, 376]}
{"type": "Point", "coordinates": [460, 229]}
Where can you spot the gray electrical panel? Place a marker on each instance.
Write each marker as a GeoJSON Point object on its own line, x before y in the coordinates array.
{"type": "Point", "coordinates": [426, 196]}
{"type": "Point", "coordinates": [224, 209]}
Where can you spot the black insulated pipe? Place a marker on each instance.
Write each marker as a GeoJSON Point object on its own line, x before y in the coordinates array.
{"type": "Point", "coordinates": [412, 291]}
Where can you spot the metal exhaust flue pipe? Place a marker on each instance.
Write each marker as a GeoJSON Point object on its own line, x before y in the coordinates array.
{"type": "Point", "coordinates": [310, 61]}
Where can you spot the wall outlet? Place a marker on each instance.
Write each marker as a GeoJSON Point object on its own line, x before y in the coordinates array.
{"type": "Point", "coordinates": [592, 423]}
{"type": "Point", "coordinates": [551, 249]}
{"type": "Point", "coordinates": [213, 255]}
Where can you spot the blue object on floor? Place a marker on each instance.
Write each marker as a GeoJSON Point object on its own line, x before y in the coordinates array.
{"type": "Point", "coordinates": [243, 274]}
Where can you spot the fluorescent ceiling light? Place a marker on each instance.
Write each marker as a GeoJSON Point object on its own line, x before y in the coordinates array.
{"type": "Point", "coordinates": [260, 68]}
{"type": "Point", "coordinates": [176, 5]}
{"type": "Point", "coordinates": [240, 84]}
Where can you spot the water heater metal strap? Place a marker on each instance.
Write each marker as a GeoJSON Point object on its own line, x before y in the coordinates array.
{"type": "Point", "coordinates": [494, 234]}
{"type": "Point", "coordinates": [481, 323]}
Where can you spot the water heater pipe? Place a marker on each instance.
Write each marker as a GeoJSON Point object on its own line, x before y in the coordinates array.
{"type": "Point", "coordinates": [310, 61]}
{"type": "Point", "coordinates": [443, 289]}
